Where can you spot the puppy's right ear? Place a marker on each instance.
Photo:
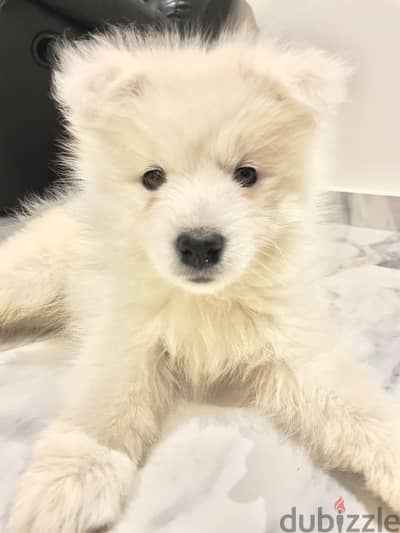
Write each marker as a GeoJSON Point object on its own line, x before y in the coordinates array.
{"type": "Point", "coordinates": [93, 74]}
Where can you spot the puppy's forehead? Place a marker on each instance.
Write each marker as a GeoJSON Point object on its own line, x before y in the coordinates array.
{"type": "Point", "coordinates": [199, 76]}
{"type": "Point", "coordinates": [209, 97]}
{"type": "Point", "coordinates": [196, 82]}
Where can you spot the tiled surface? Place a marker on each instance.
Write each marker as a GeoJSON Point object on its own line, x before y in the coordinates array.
{"type": "Point", "coordinates": [230, 472]}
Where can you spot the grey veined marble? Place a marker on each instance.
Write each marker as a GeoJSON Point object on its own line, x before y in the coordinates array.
{"type": "Point", "coordinates": [227, 471]}
{"type": "Point", "coordinates": [365, 294]}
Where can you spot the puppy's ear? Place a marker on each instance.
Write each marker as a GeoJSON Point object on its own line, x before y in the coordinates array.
{"type": "Point", "coordinates": [311, 77]}
{"type": "Point", "coordinates": [91, 75]}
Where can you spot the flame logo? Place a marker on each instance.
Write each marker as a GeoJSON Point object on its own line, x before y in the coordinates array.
{"type": "Point", "coordinates": [339, 505]}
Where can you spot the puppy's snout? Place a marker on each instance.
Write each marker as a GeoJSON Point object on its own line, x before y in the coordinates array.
{"type": "Point", "coordinates": [200, 249]}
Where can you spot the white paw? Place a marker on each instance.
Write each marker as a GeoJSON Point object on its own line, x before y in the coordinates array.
{"type": "Point", "coordinates": [386, 485]}
{"type": "Point", "coordinates": [73, 485]}
{"type": "Point", "coordinates": [389, 491]}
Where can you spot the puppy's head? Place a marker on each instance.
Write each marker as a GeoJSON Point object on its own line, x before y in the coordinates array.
{"type": "Point", "coordinates": [200, 155]}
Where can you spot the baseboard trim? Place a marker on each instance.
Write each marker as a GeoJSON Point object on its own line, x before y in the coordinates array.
{"type": "Point", "coordinates": [367, 210]}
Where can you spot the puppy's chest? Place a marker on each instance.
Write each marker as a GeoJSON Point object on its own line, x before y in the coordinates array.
{"type": "Point", "coordinates": [211, 343]}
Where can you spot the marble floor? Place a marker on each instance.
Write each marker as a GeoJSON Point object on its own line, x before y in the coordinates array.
{"type": "Point", "coordinates": [364, 289]}
{"type": "Point", "coordinates": [227, 472]}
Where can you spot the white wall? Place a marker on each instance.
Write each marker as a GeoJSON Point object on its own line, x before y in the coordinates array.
{"type": "Point", "coordinates": [366, 33]}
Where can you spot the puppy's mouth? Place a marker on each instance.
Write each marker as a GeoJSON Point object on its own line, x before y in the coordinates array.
{"type": "Point", "coordinates": [201, 279]}
{"type": "Point", "coordinates": [204, 282]}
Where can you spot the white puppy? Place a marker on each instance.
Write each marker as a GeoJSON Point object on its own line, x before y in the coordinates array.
{"type": "Point", "coordinates": [181, 266]}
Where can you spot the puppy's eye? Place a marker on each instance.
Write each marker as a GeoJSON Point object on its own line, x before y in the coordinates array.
{"type": "Point", "coordinates": [153, 179]}
{"type": "Point", "coordinates": [246, 176]}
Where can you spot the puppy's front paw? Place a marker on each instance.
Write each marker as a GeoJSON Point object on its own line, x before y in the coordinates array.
{"type": "Point", "coordinates": [385, 483]}
{"type": "Point", "coordinates": [389, 491]}
{"type": "Point", "coordinates": [74, 485]}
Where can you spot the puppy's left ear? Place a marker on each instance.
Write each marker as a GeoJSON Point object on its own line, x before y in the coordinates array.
{"type": "Point", "coordinates": [311, 77]}
{"type": "Point", "coordinates": [93, 74]}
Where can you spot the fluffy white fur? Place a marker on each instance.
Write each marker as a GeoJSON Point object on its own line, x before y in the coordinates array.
{"type": "Point", "coordinates": [102, 263]}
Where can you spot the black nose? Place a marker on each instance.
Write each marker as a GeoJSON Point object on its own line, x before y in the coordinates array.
{"type": "Point", "coordinates": [200, 249]}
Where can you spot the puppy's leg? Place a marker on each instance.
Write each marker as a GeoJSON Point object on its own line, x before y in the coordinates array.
{"type": "Point", "coordinates": [83, 467]}
{"type": "Point", "coordinates": [337, 411]}
{"type": "Point", "coordinates": [33, 269]}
